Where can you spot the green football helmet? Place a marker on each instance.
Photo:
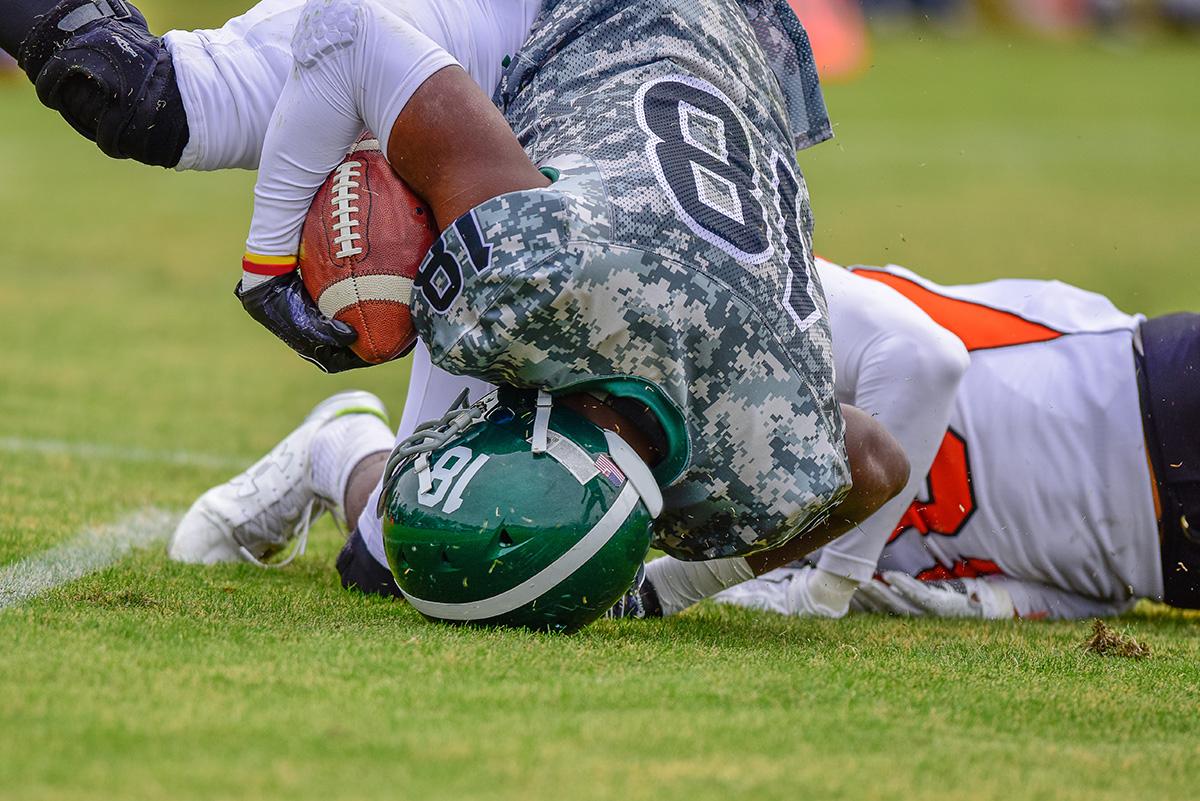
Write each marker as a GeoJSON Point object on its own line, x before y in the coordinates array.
{"type": "Point", "coordinates": [515, 512]}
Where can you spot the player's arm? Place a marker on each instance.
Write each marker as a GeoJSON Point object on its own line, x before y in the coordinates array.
{"type": "Point", "coordinates": [355, 67]}
{"type": "Point", "coordinates": [359, 66]}
{"type": "Point", "coordinates": [903, 369]}
{"type": "Point", "coordinates": [192, 100]}
{"type": "Point", "coordinates": [97, 64]}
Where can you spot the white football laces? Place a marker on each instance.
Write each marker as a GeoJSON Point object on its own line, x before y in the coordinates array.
{"type": "Point", "coordinates": [344, 211]}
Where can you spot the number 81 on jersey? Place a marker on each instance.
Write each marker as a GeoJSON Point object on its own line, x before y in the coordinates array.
{"type": "Point", "coordinates": [702, 156]}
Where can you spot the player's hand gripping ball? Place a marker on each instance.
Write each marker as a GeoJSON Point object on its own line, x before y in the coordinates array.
{"type": "Point", "coordinates": [365, 236]}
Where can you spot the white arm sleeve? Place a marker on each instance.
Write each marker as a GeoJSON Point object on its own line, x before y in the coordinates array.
{"type": "Point", "coordinates": [356, 67]}
{"type": "Point", "coordinates": [896, 364]}
{"type": "Point", "coordinates": [1036, 601]}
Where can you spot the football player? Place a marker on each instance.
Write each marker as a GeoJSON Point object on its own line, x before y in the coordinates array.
{"type": "Point", "coordinates": [642, 252]}
{"type": "Point", "coordinates": [893, 361]}
{"type": "Point", "coordinates": [1064, 483]}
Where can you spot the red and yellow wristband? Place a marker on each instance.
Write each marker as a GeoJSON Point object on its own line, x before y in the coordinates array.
{"type": "Point", "coordinates": [268, 265]}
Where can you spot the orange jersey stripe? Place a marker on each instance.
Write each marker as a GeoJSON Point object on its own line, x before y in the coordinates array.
{"type": "Point", "coordinates": [978, 326]}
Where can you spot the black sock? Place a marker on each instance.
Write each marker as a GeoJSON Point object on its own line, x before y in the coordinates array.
{"type": "Point", "coordinates": [650, 603]}
{"type": "Point", "coordinates": [360, 571]}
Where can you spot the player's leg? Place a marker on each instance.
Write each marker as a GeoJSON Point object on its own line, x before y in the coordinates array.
{"type": "Point", "coordinates": [362, 563]}
{"type": "Point", "coordinates": [361, 567]}
{"type": "Point", "coordinates": [257, 513]}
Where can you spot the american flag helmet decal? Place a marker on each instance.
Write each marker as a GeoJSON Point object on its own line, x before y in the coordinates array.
{"type": "Point", "coordinates": [608, 468]}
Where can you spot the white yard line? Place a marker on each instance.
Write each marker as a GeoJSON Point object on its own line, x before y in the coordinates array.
{"type": "Point", "coordinates": [92, 549]}
{"type": "Point", "coordinates": [116, 453]}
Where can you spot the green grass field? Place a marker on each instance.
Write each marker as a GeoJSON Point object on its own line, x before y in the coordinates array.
{"type": "Point", "coordinates": [131, 378]}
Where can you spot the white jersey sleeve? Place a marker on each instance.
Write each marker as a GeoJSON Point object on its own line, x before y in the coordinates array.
{"type": "Point", "coordinates": [231, 77]}
{"type": "Point", "coordinates": [893, 362]}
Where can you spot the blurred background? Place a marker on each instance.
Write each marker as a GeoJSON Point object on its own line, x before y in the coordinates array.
{"type": "Point", "coordinates": [841, 29]}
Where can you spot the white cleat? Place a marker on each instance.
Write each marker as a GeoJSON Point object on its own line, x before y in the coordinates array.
{"type": "Point", "coordinates": [767, 593]}
{"type": "Point", "coordinates": [254, 515]}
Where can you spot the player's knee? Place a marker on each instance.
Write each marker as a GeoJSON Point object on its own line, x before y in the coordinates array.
{"type": "Point", "coordinates": [97, 64]}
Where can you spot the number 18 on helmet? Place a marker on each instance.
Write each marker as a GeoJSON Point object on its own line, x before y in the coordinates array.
{"type": "Point", "coordinates": [515, 512]}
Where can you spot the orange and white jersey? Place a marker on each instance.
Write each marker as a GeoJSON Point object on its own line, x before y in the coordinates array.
{"type": "Point", "coordinates": [1042, 475]}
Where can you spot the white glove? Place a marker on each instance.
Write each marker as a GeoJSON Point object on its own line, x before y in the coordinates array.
{"type": "Point", "coordinates": [901, 594]}
{"type": "Point", "coordinates": [878, 598]}
{"type": "Point", "coordinates": [798, 591]}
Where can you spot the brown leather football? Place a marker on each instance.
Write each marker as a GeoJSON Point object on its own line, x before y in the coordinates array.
{"type": "Point", "coordinates": [365, 236]}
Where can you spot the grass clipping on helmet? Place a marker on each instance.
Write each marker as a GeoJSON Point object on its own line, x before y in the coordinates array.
{"type": "Point", "coordinates": [1107, 641]}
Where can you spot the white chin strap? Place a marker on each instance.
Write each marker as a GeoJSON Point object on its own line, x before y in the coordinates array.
{"type": "Point", "coordinates": [622, 454]}
{"type": "Point", "coordinates": [636, 471]}
{"type": "Point", "coordinates": [621, 451]}
{"type": "Point", "coordinates": [541, 422]}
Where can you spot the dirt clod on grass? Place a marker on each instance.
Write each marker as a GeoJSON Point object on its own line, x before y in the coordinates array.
{"type": "Point", "coordinates": [1107, 641]}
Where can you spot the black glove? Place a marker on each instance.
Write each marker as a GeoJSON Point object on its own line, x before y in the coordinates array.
{"type": "Point", "coordinates": [283, 306]}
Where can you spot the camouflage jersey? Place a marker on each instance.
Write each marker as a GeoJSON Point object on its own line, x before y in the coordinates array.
{"type": "Point", "coordinates": [673, 247]}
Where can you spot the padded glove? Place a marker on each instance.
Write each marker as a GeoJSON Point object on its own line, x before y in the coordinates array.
{"type": "Point", "coordinates": [283, 306]}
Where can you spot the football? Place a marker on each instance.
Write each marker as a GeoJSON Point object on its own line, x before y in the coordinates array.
{"type": "Point", "coordinates": [365, 236]}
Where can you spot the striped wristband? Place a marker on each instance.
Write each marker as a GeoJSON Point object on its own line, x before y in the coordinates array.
{"type": "Point", "coordinates": [267, 265]}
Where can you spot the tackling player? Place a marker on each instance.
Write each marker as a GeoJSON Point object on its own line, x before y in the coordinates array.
{"type": "Point", "coordinates": [1064, 484]}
